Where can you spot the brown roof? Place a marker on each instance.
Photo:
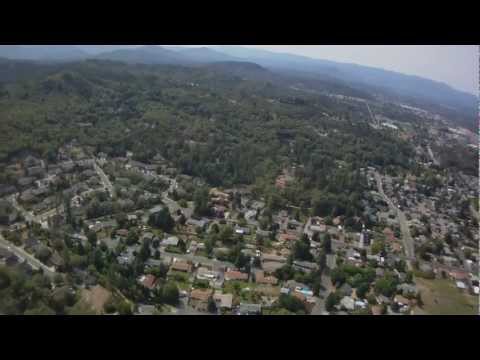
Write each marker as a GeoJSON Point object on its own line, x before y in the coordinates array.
{"type": "Point", "coordinates": [201, 294]}
{"type": "Point", "coordinates": [181, 266]}
{"type": "Point", "coordinates": [235, 275]}
{"type": "Point", "coordinates": [260, 278]}
{"type": "Point", "coordinates": [377, 310]}
{"type": "Point", "coordinates": [299, 296]}
{"type": "Point", "coordinates": [122, 232]}
{"type": "Point", "coordinates": [287, 237]}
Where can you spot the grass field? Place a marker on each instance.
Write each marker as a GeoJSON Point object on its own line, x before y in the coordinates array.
{"type": "Point", "coordinates": [441, 297]}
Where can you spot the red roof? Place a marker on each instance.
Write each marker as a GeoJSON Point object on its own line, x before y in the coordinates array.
{"type": "Point", "coordinates": [149, 281]}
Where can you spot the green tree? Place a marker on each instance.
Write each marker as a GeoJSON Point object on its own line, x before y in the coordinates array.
{"type": "Point", "coordinates": [170, 294]}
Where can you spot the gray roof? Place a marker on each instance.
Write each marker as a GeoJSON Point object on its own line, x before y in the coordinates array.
{"type": "Point", "coordinates": [250, 308]}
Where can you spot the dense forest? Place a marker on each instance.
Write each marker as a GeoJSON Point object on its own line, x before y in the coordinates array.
{"type": "Point", "coordinates": [228, 124]}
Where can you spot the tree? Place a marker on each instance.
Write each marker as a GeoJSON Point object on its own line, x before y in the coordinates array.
{"type": "Point", "coordinates": [332, 300]}
{"type": "Point", "coordinates": [212, 306]}
{"type": "Point", "coordinates": [291, 303]}
{"type": "Point", "coordinates": [124, 308]}
{"type": "Point", "coordinates": [200, 200]}
{"type": "Point", "coordinates": [162, 220]}
{"type": "Point", "coordinates": [226, 234]}
{"type": "Point", "coordinates": [327, 243]}
{"type": "Point", "coordinates": [170, 294]}
{"type": "Point", "coordinates": [92, 238]}
{"type": "Point", "coordinates": [132, 237]}
{"type": "Point", "coordinates": [386, 285]}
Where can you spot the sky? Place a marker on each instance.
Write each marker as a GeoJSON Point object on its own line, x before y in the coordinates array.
{"type": "Point", "coordinates": [455, 65]}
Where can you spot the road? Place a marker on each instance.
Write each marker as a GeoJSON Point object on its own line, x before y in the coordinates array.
{"type": "Point", "coordinates": [28, 215]}
{"type": "Point", "coordinates": [22, 254]}
{"type": "Point", "coordinates": [104, 178]}
{"type": "Point", "coordinates": [402, 220]}
{"type": "Point", "coordinates": [375, 122]}
{"type": "Point", "coordinates": [430, 152]}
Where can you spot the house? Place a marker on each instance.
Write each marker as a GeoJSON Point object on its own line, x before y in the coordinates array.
{"type": "Point", "coordinates": [36, 171]}
{"type": "Point", "coordinates": [273, 258]}
{"type": "Point", "coordinates": [223, 301]}
{"type": "Point", "coordinates": [459, 275]}
{"type": "Point", "coordinates": [235, 275]}
{"type": "Point", "coordinates": [199, 299]}
{"type": "Point", "coordinates": [270, 266]}
{"type": "Point", "coordinates": [305, 266]}
{"type": "Point", "coordinates": [56, 261]}
{"type": "Point", "coordinates": [170, 241]}
{"type": "Point", "coordinates": [146, 309]}
{"type": "Point", "coordinates": [122, 232]}
{"type": "Point", "coordinates": [148, 236]}
{"type": "Point", "coordinates": [260, 278]}
{"type": "Point", "coordinates": [132, 218]}
{"type": "Point", "coordinates": [285, 291]}
{"type": "Point", "coordinates": [346, 289]}
{"type": "Point", "coordinates": [249, 309]}
{"type": "Point", "coordinates": [206, 274]}
{"type": "Point", "coordinates": [287, 237]}
{"type": "Point", "coordinates": [401, 300]}
{"type": "Point", "coordinates": [182, 266]}
{"type": "Point", "coordinates": [242, 230]}
{"type": "Point", "coordinates": [197, 223]}
{"type": "Point", "coordinates": [25, 181]}
{"type": "Point", "coordinates": [377, 310]}
{"type": "Point", "coordinates": [382, 299]}
{"type": "Point", "coordinates": [347, 303]}
{"type": "Point", "coordinates": [149, 281]}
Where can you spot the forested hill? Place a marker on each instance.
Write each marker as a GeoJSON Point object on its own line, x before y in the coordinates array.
{"type": "Point", "coordinates": [460, 107]}
{"type": "Point", "coordinates": [208, 123]}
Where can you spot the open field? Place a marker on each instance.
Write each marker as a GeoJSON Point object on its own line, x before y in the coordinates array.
{"type": "Point", "coordinates": [441, 297]}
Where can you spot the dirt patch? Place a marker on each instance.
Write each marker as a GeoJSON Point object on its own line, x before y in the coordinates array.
{"type": "Point", "coordinates": [96, 298]}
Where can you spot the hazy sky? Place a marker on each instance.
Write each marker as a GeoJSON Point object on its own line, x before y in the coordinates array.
{"type": "Point", "coordinates": [456, 65]}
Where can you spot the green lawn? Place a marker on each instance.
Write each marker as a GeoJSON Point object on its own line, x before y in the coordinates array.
{"type": "Point", "coordinates": [441, 297]}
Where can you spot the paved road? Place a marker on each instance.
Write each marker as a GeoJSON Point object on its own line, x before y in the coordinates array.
{"type": "Point", "coordinates": [22, 254]}
{"type": "Point", "coordinates": [375, 121]}
{"type": "Point", "coordinates": [430, 152]}
{"type": "Point", "coordinates": [28, 215]}
{"type": "Point", "coordinates": [402, 220]}
{"type": "Point", "coordinates": [104, 178]}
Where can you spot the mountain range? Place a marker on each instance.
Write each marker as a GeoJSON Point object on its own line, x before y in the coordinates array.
{"type": "Point", "coordinates": [410, 89]}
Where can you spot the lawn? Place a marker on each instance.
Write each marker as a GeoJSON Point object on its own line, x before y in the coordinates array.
{"type": "Point", "coordinates": [441, 297]}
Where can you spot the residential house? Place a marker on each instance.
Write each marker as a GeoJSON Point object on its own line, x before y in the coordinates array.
{"type": "Point", "coordinates": [170, 241]}
{"type": "Point", "coordinates": [235, 275]}
{"type": "Point", "coordinates": [199, 298]}
{"type": "Point", "coordinates": [149, 281]}
{"type": "Point", "coordinates": [260, 278]}
{"type": "Point", "coordinates": [182, 266]}
{"type": "Point", "coordinates": [223, 301]}
{"type": "Point", "coordinates": [305, 266]}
